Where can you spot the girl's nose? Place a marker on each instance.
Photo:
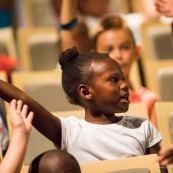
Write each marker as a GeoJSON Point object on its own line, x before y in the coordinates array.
{"type": "Point", "coordinates": [124, 86]}
{"type": "Point", "coordinates": [116, 54]}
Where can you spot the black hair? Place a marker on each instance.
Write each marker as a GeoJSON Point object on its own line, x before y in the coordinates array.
{"type": "Point", "coordinates": [61, 159]}
{"type": "Point", "coordinates": [34, 166]}
{"type": "Point", "coordinates": [76, 70]}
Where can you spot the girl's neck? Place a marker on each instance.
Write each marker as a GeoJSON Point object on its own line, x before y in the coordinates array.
{"type": "Point", "coordinates": [101, 118]}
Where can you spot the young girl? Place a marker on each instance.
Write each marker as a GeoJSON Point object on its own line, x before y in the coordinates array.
{"type": "Point", "coordinates": [115, 37]}
{"type": "Point", "coordinates": [95, 82]}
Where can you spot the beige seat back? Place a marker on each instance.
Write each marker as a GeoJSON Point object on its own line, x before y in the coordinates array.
{"type": "Point", "coordinates": [38, 48]}
{"type": "Point", "coordinates": [138, 109]}
{"type": "Point", "coordinates": [7, 43]}
{"type": "Point", "coordinates": [163, 110]}
{"type": "Point", "coordinates": [157, 51]}
{"type": "Point", "coordinates": [45, 87]}
{"type": "Point", "coordinates": [38, 13]}
{"type": "Point", "coordinates": [165, 81]}
{"type": "Point", "coordinates": [148, 163]}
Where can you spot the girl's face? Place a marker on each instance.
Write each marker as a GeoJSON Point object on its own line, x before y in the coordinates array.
{"type": "Point", "coordinates": [120, 46]}
{"type": "Point", "coordinates": [108, 89]}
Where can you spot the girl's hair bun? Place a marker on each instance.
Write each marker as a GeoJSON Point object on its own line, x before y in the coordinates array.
{"type": "Point", "coordinates": [112, 21]}
{"type": "Point", "coordinates": [67, 56]}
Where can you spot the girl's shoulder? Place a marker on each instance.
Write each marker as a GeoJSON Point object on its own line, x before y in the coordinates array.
{"type": "Point", "coordinates": [132, 121]}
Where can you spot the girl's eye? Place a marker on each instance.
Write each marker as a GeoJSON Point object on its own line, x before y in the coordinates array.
{"type": "Point", "coordinates": [125, 47]}
{"type": "Point", "coordinates": [115, 79]}
{"type": "Point", "coordinates": [108, 49]}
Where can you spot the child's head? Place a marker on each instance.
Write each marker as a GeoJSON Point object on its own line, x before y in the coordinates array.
{"type": "Point", "coordinates": [54, 161]}
{"type": "Point", "coordinates": [115, 37]}
{"type": "Point", "coordinates": [94, 81]}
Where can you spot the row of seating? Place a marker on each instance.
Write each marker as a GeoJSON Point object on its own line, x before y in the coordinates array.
{"type": "Point", "coordinates": [34, 48]}
{"type": "Point", "coordinates": [139, 164]}
{"type": "Point", "coordinates": [34, 10]}
{"type": "Point", "coordinates": [163, 110]}
{"type": "Point", "coordinates": [45, 87]}
{"type": "Point", "coordinates": [157, 55]}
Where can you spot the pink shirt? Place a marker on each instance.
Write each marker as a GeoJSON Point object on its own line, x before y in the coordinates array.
{"type": "Point", "coordinates": [144, 95]}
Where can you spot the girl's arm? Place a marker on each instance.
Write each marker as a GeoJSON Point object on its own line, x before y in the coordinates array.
{"type": "Point", "coordinates": [21, 126]}
{"type": "Point", "coordinates": [166, 156]}
{"type": "Point", "coordinates": [44, 121]}
{"type": "Point", "coordinates": [149, 10]}
{"type": "Point", "coordinates": [155, 149]}
{"type": "Point", "coordinates": [164, 7]}
{"type": "Point", "coordinates": [68, 13]}
{"type": "Point", "coordinates": [77, 34]}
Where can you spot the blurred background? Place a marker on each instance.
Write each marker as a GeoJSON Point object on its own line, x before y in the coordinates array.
{"type": "Point", "coordinates": [29, 48]}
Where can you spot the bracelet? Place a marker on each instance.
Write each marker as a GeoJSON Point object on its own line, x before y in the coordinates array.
{"type": "Point", "coordinates": [5, 18]}
{"type": "Point", "coordinates": [68, 26]}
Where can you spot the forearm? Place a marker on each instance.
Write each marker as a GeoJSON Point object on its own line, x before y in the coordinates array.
{"type": "Point", "coordinates": [15, 154]}
{"type": "Point", "coordinates": [42, 117]}
{"type": "Point", "coordinates": [68, 14]}
{"type": "Point", "coordinates": [155, 149]}
{"type": "Point", "coordinates": [164, 7]}
{"type": "Point", "coordinates": [149, 10]}
{"type": "Point", "coordinates": [68, 11]}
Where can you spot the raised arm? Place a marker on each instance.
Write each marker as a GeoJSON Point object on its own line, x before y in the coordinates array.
{"type": "Point", "coordinates": [43, 121]}
{"type": "Point", "coordinates": [149, 10]}
{"type": "Point", "coordinates": [21, 126]}
{"type": "Point", "coordinates": [72, 30]}
{"type": "Point", "coordinates": [165, 7]}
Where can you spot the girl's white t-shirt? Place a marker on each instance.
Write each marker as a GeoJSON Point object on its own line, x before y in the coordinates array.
{"type": "Point", "coordinates": [93, 142]}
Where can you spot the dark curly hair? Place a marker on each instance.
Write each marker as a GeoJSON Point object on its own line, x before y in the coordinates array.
{"type": "Point", "coordinates": [76, 69]}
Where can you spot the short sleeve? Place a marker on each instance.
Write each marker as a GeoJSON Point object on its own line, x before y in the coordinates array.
{"type": "Point", "coordinates": [153, 136]}
{"type": "Point", "coordinates": [69, 128]}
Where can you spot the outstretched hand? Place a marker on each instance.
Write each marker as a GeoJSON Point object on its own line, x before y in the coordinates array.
{"type": "Point", "coordinates": [165, 7]}
{"type": "Point", "coordinates": [165, 156]}
{"type": "Point", "coordinates": [20, 119]}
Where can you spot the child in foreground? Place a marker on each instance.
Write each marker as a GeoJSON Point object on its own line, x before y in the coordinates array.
{"type": "Point", "coordinates": [54, 161]}
{"type": "Point", "coordinates": [95, 82]}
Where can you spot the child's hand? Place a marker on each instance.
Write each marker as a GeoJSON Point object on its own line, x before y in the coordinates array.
{"type": "Point", "coordinates": [166, 156]}
{"type": "Point", "coordinates": [165, 7]}
{"type": "Point", "coordinates": [19, 118]}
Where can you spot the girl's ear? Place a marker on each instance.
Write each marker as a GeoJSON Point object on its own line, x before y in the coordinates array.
{"type": "Point", "coordinates": [84, 92]}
